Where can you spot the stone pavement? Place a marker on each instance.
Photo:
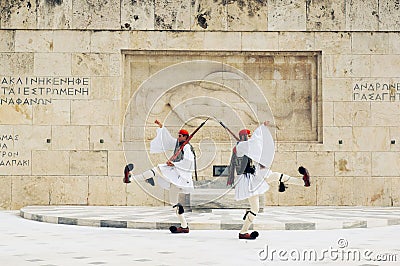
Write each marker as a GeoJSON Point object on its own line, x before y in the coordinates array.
{"type": "Point", "coordinates": [26, 242]}
{"type": "Point", "coordinates": [272, 218]}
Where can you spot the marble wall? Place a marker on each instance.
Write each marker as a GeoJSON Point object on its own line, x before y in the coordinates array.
{"type": "Point", "coordinates": [66, 85]}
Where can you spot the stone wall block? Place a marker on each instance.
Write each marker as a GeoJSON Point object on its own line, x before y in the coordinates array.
{"type": "Point", "coordinates": [52, 64]}
{"type": "Point", "coordinates": [139, 194]}
{"type": "Point", "coordinates": [96, 15]}
{"type": "Point", "coordinates": [394, 42]}
{"type": "Point", "coordinates": [148, 40]}
{"type": "Point", "coordinates": [116, 163]}
{"type": "Point", "coordinates": [259, 41]}
{"type": "Point", "coordinates": [18, 14]}
{"type": "Point", "coordinates": [15, 114]}
{"type": "Point", "coordinates": [70, 138]}
{"type": "Point", "coordinates": [71, 41]}
{"type": "Point", "coordinates": [394, 191]}
{"type": "Point", "coordinates": [320, 163]}
{"type": "Point", "coordinates": [32, 137]}
{"type": "Point", "coordinates": [370, 43]}
{"type": "Point", "coordinates": [327, 191]}
{"type": "Point", "coordinates": [16, 64]}
{"type": "Point", "coordinates": [34, 41]}
{"type": "Point", "coordinates": [384, 114]}
{"type": "Point", "coordinates": [68, 190]}
{"type": "Point", "coordinates": [30, 190]}
{"type": "Point", "coordinates": [333, 42]}
{"type": "Point", "coordinates": [137, 15]}
{"type": "Point", "coordinates": [228, 41]}
{"type": "Point", "coordinates": [342, 66]}
{"type": "Point", "coordinates": [389, 15]}
{"type": "Point", "coordinates": [88, 163]}
{"type": "Point", "coordinates": [385, 164]}
{"type": "Point", "coordinates": [337, 89]}
{"type": "Point", "coordinates": [385, 66]}
{"type": "Point", "coordinates": [172, 15]}
{"type": "Point", "coordinates": [57, 113]}
{"type": "Point", "coordinates": [247, 15]}
{"type": "Point", "coordinates": [296, 41]}
{"type": "Point", "coordinates": [352, 164]}
{"type": "Point", "coordinates": [286, 15]}
{"type": "Point", "coordinates": [54, 14]}
{"type": "Point", "coordinates": [50, 163]}
{"type": "Point", "coordinates": [94, 112]}
{"type": "Point", "coordinates": [326, 15]}
{"type": "Point", "coordinates": [208, 15]}
{"type": "Point", "coordinates": [5, 192]}
{"type": "Point", "coordinates": [92, 64]}
{"type": "Point", "coordinates": [7, 41]}
{"type": "Point", "coordinates": [105, 137]}
{"type": "Point", "coordinates": [108, 41]}
{"type": "Point", "coordinates": [185, 41]}
{"type": "Point", "coordinates": [106, 191]}
{"type": "Point", "coordinates": [362, 15]}
{"type": "Point", "coordinates": [371, 139]}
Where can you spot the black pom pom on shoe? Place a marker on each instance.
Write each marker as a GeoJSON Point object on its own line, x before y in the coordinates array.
{"type": "Point", "coordinates": [254, 234]}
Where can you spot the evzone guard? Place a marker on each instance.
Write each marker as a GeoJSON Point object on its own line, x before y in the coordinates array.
{"type": "Point", "coordinates": [251, 159]}
{"type": "Point", "coordinates": [176, 174]}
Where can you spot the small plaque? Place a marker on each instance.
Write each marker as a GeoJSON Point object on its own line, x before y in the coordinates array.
{"type": "Point", "coordinates": [220, 170]}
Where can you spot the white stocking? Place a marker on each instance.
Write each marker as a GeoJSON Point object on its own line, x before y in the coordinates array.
{"type": "Point", "coordinates": [254, 202]}
{"type": "Point", "coordinates": [274, 176]}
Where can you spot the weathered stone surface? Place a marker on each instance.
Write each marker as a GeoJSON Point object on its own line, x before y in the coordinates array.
{"type": "Point", "coordinates": [137, 15]}
{"type": "Point", "coordinates": [385, 164]}
{"type": "Point", "coordinates": [361, 15]}
{"type": "Point", "coordinates": [260, 41]}
{"type": "Point", "coordinates": [286, 15]}
{"type": "Point", "coordinates": [53, 14]}
{"type": "Point", "coordinates": [99, 112]}
{"type": "Point", "coordinates": [96, 15]}
{"type": "Point", "coordinates": [57, 113]}
{"type": "Point", "coordinates": [7, 41]}
{"type": "Point", "coordinates": [13, 64]}
{"type": "Point", "coordinates": [326, 15]}
{"type": "Point", "coordinates": [106, 190]}
{"type": "Point", "coordinates": [92, 64]}
{"type": "Point", "coordinates": [333, 42]}
{"type": "Point", "coordinates": [50, 163]}
{"type": "Point", "coordinates": [208, 15]}
{"type": "Point", "coordinates": [29, 190]}
{"type": "Point", "coordinates": [18, 15]}
{"type": "Point", "coordinates": [5, 192]}
{"type": "Point", "coordinates": [389, 15]}
{"type": "Point", "coordinates": [68, 190]}
{"type": "Point", "coordinates": [172, 15]}
{"type": "Point", "coordinates": [88, 163]}
{"type": "Point", "coordinates": [71, 41]}
{"type": "Point", "coordinates": [385, 65]}
{"type": "Point", "coordinates": [52, 64]}
{"type": "Point", "coordinates": [247, 15]}
{"type": "Point", "coordinates": [370, 43]}
{"type": "Point", "coordinates": [363, 135]}
{"type": "Point", "coordinates": [352, 164]}
{"type": "Point", "coordinates": [70, 137]}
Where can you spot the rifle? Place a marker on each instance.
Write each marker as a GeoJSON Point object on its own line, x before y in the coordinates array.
{"type": "Point", "coordinates": [227, 129]}
{"type": "Point", "coordinates": [186, 141]}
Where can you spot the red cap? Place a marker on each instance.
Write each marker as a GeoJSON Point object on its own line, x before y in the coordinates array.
{"type": "Point", "coordinates": [184, 132]}
{"type": "Point", "coordinates": [244, 132]}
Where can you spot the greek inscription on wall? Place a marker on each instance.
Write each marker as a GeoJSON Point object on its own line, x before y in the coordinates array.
{"type": "Point", "coordinates": [42, 90]}
{"type": "Point", "coordinates": [9, 158]}
{"type": "Point", "coordinates": [377, 92]}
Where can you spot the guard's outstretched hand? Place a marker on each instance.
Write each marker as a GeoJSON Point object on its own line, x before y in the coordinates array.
{"type": "Point", "coordinates": [158, 123]}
